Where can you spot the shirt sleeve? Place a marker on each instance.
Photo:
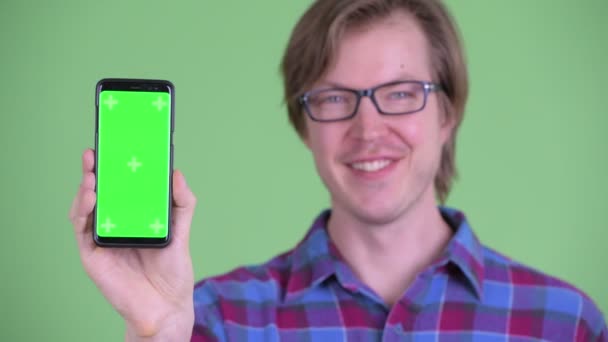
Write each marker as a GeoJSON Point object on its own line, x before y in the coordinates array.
{"type": "Point", "coordinates": [208, 321]}
{"type": "Point", "coordinates": [603, 334]}
{"type": "Point", "coordinates": [592, 324]}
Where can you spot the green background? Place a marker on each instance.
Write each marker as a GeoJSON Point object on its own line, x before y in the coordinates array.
{"type": "Point", "coordinates": [531, 150]}
{"type": "Point", "coordinates": [133, 130]}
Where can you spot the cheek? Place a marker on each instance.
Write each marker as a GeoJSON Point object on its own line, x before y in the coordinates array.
{"type": "Point", "coordinates": [420, 132]}
{"type": "Point", "coordinates": [413, 132]}
{"type": "Point", "coordinates": [320, 140]}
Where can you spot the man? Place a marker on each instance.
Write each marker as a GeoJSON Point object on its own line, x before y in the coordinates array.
{"type": "Point", "coordinates": [376, 89]}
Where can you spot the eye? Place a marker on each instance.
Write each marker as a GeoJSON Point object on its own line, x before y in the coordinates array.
{"type": "Point", "coordinates": [328, 98]}
{"type": "Point", "coordinates": [400, 95]}
{"type": "Point", "coordinates": [332, 99]}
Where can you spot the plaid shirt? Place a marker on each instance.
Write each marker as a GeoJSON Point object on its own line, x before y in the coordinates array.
{"type": "Point", "coordinates": [470, 294]}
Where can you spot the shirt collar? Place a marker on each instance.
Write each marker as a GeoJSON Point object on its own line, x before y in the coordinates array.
{"type": "Point", "coordinates": [464, 249]}
{"type": "Point", "coordinates": [312, 260]}
{"type": "Point", "coordinates": [315, 258]}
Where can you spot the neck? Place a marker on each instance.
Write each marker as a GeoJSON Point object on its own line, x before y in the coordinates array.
{"type": "Point", "coordinates": [388, 256]}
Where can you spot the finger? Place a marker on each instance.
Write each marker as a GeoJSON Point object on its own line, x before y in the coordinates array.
{"type": "Point", "coordinates": [88, 181]}
{"type": "Point", "coordinates": [82, 206]}
{"type": "Point", "coordinates": [184, 203]}
{"type": "Point", "coordinates": [84, 202]}
{"type": "Point", "coordinates": [80, 215]}
{"type": "Point", "coordinates": [88, 160]}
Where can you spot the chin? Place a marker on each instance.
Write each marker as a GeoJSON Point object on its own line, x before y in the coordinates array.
{"type": "Point", "coordinates": [380, 208]}
{"type": "Point", "coordinates": [375, 213]}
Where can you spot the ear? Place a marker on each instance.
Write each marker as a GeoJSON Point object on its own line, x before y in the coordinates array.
{"type": "Point", "coordinates": [303, 134]}
{"type": "Point", "coordinates": [448, 122]}
{"type": "Point", "coordinates": [305, 140]}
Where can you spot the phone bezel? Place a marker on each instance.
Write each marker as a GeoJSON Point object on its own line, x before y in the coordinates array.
{"type": "Point", "coordinates": [127, 84]}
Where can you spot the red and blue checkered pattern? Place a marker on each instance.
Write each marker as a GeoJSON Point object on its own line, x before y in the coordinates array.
{"type": "Point", "coordinates": [471, 294]}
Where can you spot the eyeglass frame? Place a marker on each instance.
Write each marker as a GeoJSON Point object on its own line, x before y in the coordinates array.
{"type": "Point", "coordinates": [427, 87]}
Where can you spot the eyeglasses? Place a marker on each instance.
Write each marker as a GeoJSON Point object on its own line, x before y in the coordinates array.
{"type": "Point", "coordinates": [394, 98]}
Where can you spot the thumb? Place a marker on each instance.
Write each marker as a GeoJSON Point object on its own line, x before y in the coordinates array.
{"type": "Point", "coordinates": [184, 203]}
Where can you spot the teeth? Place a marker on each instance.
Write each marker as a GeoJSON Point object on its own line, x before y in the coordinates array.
{"type": "Point", "coordinates": [371, 166]}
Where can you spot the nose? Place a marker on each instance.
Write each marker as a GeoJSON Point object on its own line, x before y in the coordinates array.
{"type": "Point", "coordinates": [368, 124]}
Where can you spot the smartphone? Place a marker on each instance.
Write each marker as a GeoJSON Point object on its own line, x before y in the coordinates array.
{"type": "Point", "coordinates": [134, 122]}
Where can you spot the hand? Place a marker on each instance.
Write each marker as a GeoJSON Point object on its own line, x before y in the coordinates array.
{"type": "Point", "coordinates": [152, 289]}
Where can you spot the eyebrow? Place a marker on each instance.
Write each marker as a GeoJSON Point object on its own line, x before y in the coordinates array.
{"type": "Point", "coordinates": [334, 84]}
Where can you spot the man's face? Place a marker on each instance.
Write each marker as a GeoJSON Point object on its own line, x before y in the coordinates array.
{"type": "Point", "coordinates": [378, 167]}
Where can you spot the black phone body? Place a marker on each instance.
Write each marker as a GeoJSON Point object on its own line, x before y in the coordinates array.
{"type": "Point", "coordinates": [134, 123]}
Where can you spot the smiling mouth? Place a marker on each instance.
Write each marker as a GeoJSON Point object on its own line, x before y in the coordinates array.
{"type": "Point", "coordinates": [372, 165]}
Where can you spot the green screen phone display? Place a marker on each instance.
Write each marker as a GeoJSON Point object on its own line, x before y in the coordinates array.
{"type": "Point", "coordinates": [133, 164]}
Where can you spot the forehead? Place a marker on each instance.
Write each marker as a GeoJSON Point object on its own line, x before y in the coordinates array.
{"type": "Point", "coordinates": [383, 50]}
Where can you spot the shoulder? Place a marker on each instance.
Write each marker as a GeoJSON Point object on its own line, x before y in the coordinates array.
{"type": "Point", "coordinates": [257, 283]}
{"type": "Point", "coordinates": [530, 291]}
{"type": "Point", "coordinates": [237, 295]}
